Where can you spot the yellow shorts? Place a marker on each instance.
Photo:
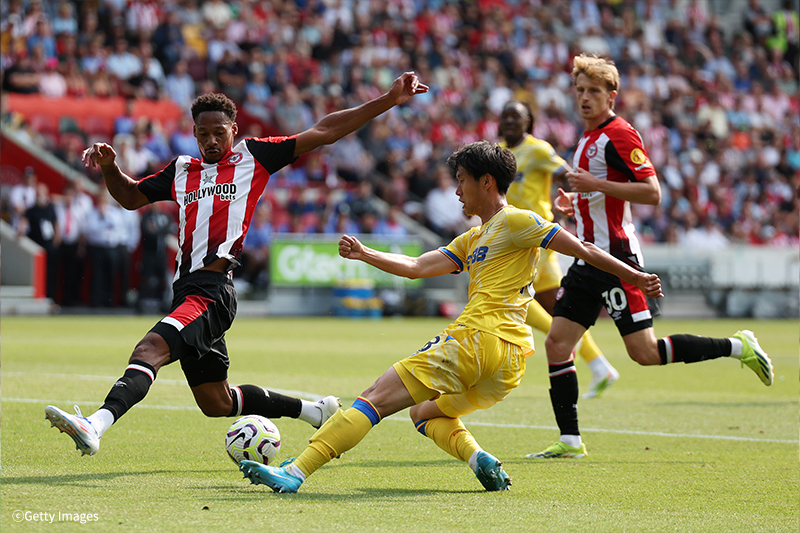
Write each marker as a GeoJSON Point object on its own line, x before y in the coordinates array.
{"type": "Point", "coordinates": [548, 271]}
{"type": "Point", "coordinates": [463, 369]}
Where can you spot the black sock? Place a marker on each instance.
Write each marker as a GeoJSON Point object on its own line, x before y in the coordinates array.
{"type": "Point", "coordinates": [130, 389]}
{"type": "Point", "coordinates": [692, 348]}
{"type": "Point", "coordinates": [253, 400]}
{"type": "Point", "coordinates": [564, 397]}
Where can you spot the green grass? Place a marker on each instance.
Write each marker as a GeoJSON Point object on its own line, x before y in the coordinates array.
{"type": "Point", "coordinates": [658, 457]}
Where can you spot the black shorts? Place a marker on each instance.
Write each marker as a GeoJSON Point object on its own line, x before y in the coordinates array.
{"type": "Point", "coordinates": [203, 309]}
{"type": "Point", "coordinates": [585, 290]}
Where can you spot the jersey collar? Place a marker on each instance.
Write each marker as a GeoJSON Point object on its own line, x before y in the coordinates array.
{"type": "Point", "coordinates": [606, 123]}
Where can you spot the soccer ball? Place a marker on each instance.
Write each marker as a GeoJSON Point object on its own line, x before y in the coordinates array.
{"type": "Point", "coordinates": [254, 438]}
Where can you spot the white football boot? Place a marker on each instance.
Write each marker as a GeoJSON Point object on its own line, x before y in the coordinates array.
{"type": "Point", "coordinates": [327, 408]}
{"type": "Point", "coordinates": [86, 440]}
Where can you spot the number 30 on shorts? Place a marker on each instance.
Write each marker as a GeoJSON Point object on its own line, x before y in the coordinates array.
{"type": "Point", "coordinates": [615, 300]}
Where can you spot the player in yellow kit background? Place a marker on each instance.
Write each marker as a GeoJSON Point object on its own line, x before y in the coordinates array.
{"type": "Point", "coordinates": [537, 165]}
{"type": "Point", "coordinates": [476, 361]}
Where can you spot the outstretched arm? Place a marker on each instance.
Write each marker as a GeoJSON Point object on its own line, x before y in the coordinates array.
{"type": "Point", "coordinates": [122, 187]}
{"type": "Point", "coordinates": [340, 123]}
{"type": "Point", "coordinates": [567, 244]}
{"type": "Point", "coordinates": [429, 264]}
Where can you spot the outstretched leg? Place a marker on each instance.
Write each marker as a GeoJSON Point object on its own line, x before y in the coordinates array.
{"type": "Point", "coordinates": [148, 357]}
{"type": "Point", "coordinates": [643, 348]}
{"type": "Point", "coordinates": [342, 432]}
{"type": "Point", "coordinates": [220, 399]}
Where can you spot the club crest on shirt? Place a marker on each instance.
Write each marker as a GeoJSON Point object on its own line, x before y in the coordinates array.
{"type": "Point", "coordinates": [591, 151]}
{"type": "Point", "coordinates": [235, 158]}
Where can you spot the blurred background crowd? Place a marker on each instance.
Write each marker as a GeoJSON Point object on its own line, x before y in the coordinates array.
{"type": "Point", "coordinates": [717, 106]}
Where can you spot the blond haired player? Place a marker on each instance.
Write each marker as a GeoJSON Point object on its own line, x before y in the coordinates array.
{"type": "Point", "coordinates": [537, 165]}
{"type": "Point", "coordinates": [476, 361]}
{"type": "Point", "coordinates": [611, 170]}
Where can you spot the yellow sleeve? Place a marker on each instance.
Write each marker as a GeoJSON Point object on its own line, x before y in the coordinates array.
{"type": "Point", "coordinates": [529, 230]}
{"type": "Point", "coordinates": [546, 158]}
{"type": "Point", "coordinates": [456, 251]}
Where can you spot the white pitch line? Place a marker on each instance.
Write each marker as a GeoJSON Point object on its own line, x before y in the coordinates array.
{"type": "Point", "coordinates": [645, 433]}
{"type": "Point", "coordinates": [400, 418]}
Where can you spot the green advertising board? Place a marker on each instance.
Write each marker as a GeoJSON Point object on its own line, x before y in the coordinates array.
{"type": "Point", "coordinates": [315, 262]}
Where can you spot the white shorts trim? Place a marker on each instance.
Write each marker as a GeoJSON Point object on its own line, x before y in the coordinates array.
{"type": "Point", "coordinates": [172, 322]}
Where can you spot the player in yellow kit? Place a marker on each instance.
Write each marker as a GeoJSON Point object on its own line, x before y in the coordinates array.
{"type": "Point", "coordinates": [476, 361]}
{"type": "Point", "coordinates": [537, 165]}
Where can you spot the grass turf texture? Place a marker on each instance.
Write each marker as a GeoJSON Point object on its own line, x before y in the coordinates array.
{"type": "Point", "coordinates": [163, 467]}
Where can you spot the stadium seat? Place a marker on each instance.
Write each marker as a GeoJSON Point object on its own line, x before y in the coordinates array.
{"type": "Point", "coordinates": [44, 124]}
{"type": "Point", "coordinates": [97, 126]}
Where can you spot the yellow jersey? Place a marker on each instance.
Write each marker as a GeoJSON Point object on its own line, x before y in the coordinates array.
{"type": "Point", "coordinates": [501, 257]}
{"type": "Point", "coordinates": [537, 162]}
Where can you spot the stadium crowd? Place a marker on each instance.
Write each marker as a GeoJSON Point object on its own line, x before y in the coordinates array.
{"type": "Point", "coordinates": [718, 110]}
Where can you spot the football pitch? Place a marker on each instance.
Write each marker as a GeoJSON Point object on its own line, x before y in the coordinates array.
{"type": "Point", "coordinates": [688, 448]}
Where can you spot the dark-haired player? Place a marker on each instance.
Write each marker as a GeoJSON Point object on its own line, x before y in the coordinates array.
{"type": "Point", "coordinates": [611, 169]}
{"type": "Point", "coordinates": [216, 196]}
{"type": "Point", "coordinates": [537, 165]}
{"type": "Point", "coordinates": [480, 358]}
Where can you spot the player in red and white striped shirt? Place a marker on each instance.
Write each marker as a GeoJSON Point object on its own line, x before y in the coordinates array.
{"type": "Point", "coordinates": [216, 196]}
{"type": "Point", "coordinates": [611, 170]}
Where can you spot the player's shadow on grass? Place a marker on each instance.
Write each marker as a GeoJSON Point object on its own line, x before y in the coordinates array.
{"type": "Point", "coordinates": [79, 479]}
{"type": "Point", "coordinates": [363, 493]}
{"type": "Point", "coordinates": [384, 463]}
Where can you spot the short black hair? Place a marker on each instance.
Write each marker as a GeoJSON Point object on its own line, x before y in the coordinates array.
{"type": "Point", "coordinates": [481, 158]}
{"type": "Point", "coordinates": [527, 107]}
{"type": "Point", "coordinates": [214, 102]}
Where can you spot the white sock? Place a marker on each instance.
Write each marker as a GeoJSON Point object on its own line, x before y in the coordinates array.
{"type": "Point", "coordinates": [600, 366]}
{"type": "Point", "coordinates": [571, 440]}
{"type": "Point", "coordinates": [736, 347]}
{"type": "Point", "coordinates": [295, 471]}
{"type": "Point", "coordinates": [101, 420]}
{"type": "Point", "coordinates": [310, 412]}
{"type": "Point", "coordinates": [473, 461]}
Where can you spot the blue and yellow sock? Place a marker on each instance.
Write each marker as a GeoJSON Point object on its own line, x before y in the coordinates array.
{"type": "Point", "coordinates": [342, 432]}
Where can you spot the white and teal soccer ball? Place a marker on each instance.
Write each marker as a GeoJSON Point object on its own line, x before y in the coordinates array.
{"type": "Point", "coordinates": [254, 438]}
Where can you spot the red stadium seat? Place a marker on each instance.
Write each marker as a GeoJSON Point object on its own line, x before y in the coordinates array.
{"type": "Point", "coordinates": [95, 125]}
{"type": "Point", "coordinates": [45, 124]}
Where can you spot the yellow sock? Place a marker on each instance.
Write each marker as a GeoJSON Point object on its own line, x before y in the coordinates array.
{"type": "Point", "coordinates": [450, 435]}
{"type": "Point", "coordinates": [340, 433]}
{"type": "Point", "coordinates": [538, 318]}
{"type": "Point", "coordinates": [588, 349]}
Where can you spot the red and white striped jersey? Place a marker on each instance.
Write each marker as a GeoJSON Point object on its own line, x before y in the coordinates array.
{"type": "Point", "coordinates": [615, 152]}
{"type": "Point", "coordinates": [217, 200]}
